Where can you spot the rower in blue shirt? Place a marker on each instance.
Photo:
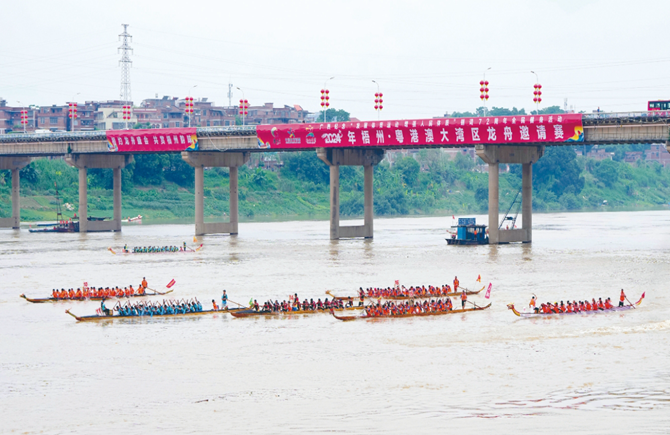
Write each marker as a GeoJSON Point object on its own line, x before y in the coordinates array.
{"type": "Point", "coordinates": [224, 301]}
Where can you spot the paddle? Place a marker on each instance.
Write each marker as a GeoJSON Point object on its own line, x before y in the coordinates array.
{"type": "Point", "coordinates": [631, 304]}
{"type": "Point", "coordinates": [473, 304]}
{"type": "Point", "coordinates": [243, 306]}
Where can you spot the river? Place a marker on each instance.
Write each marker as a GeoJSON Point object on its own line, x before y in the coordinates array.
{"type": "Point", "coordinates": [479, 372]}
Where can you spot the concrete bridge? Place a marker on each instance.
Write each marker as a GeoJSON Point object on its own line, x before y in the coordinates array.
{"type": "Point", "coordinates": [231, 147]}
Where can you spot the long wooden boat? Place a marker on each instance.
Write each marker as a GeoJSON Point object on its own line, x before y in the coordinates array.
{"type": "Point", "coordinates": [188, 250]}
{"type": "Point", "coordinates": [253, 313]}
{"type": "Point", "coordinates": [43, 300]}
{"type": "Point", "coordinates": [624, 308]}
{"type": "Point", "coordinates": [402, 298]}
{"type": "Point", "coordinates": [98, 317]}
{"type": "Point", "coordinates": [428, 314]}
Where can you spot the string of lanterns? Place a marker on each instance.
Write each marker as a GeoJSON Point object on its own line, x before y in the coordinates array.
{"type": "Point", "coordinates": [378, 101]}
{"type": "Point", "coordinates": [324, 98]}
{"type": "Point", "coordinates": [484, 90]}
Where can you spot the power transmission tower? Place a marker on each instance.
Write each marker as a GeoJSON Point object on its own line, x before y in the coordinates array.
{"type": "Point", "coordinates": [230, 94]}
{"type": "Point", "coordinates": [125, 63]}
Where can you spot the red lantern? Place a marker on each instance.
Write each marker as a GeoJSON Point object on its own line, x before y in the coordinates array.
{"type": "Point", "coordinates": [481, 82]}
{"type": "Point", "coordinates": [539, 86]}
{"type": "Point", "coordinates": [381, 95]}
{"type": "Point", "coordinates": [327, 91]}
{"type": "Point", "coordinates": [486, 83]}
{"type": "Point", "coordinates": [539, 100]}
{"type": "Point", "coordinates": [327, 104]}
{"type": "Point", "coordinates": [376, 107]}
{"type": "Point", "coordinates": [486, 89]}
{"type": "Point", "coordinates": [486, 97]}
{"type": "Point", "coordinates": [481, 89]}
{"type": "Point", "coordinates": [481, 97]}
{"type": "Point", "coordinates": [534, 100]}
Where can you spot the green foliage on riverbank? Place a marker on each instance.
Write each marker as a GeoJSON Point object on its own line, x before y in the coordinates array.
{"type": "Point", "coordinates": [160, 187]}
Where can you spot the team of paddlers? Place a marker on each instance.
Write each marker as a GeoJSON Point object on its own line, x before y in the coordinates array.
{"type": "Point", "coordinates": [402, 291]}
{"type": "Point", "coordinates": [294, 304]}
{"type": "Point", "coordinates": [575, 306]}
{"type": "Point", "coordinates": [155, 249]}
{"type": "Point", "coordinates": [107, 292]}
{"type": "Point", "coordinates": [391, 308]}
{"type": "Point", "coordinates": [146, 308]}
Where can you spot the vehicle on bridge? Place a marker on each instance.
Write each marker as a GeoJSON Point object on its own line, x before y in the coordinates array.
{"type": "Point", "coordinates": [469, 233]}
{"type": "Point", "coordinates": [658, 105]}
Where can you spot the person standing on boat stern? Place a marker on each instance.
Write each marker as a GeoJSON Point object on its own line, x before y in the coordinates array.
{"type": "Point", "coordinates": [464, 297]}
{"type": "Point", "coordinates": [456, 284]}
{"type": "Point", "coordinates": [531, 304]}
{"type": "Point", "coordinates": [224, 300]}
{"type": "Point", "coordinates": [622, 298]}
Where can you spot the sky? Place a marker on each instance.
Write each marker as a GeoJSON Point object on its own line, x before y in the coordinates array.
{"type": "Point", "coordinates": [426, 56]}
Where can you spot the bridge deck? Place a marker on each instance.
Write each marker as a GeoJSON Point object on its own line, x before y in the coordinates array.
{"type": "Point", "coordinates": [600, 128]}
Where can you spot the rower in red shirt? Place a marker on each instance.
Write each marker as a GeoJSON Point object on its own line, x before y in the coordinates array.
{"type": "Point", "coordinates": [622, 298]}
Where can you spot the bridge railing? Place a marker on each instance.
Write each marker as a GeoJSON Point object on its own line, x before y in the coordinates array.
{"type": "Point", "coordinates": [645, 117]}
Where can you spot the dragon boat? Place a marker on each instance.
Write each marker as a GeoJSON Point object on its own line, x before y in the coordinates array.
{"type": "Point", "coordinates": [426, 314]}
{"type": "Point", "coordinates": [101, 317]}
{"type": "Point", "coordinates": [540, 314]}
{"type": "Point", "coordinates": [403, 297]}
{"type": "Point", "coordinates": [253, 313]}
{"type": "Point", "coordinates": [188, 250]}
{"type": "Point", "coordinates": [94, 298]}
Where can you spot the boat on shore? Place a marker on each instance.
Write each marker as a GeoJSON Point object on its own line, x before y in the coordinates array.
{"type": "Point", "coordinates": [92, 298]}
{"type": "Point", "coordinates": [404, 297]}
{"type": "Point", "coordinates": [137, 219]}
{"type": "Point", "coordinates": [102, 317]}
{"type": "Point", "coordinates": [425, 314]}
{"type": "Point", "coordinates": [540, 314]}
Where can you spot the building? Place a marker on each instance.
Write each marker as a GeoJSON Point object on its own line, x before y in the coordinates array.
{"type": "Point", "coordinates": [166, 112]}
{"type": "Point", "coordinates": [658, 153]}
{"type": "Point", "coordinates": [633, 156]}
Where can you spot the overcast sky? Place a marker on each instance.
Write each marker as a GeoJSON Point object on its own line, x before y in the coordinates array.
{"type": "Point", "coordinates": [427, 56]}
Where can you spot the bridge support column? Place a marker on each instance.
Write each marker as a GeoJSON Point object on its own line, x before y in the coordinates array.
{"type": "Point", "coordinates": [339, 157]}
{"type": "Point", "coordinates": [519, 154]}
{"type": "Point", "coordinates": [15, 164]}
{"type": "Point", "coordinates": [83, 162]}
{"type": "Point", "coordinates": [201, 160]}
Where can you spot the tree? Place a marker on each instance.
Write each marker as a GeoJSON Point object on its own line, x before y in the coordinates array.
{"type": "Point", "coordinates": [558, 172]}
{"type": "Point", "coordinates": [409, 169]}
{"type": "Point", "coordinates": [305, 166]}
{"type": "Point", "coordinates": [334, 115]}
{"type": "Point", "coordinates": [607, 171]}
{"type": "Point", "coordinates": [502, 111]}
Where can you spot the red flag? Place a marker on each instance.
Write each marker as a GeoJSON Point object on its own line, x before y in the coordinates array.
{"type": "Point", "coordinates": [453, 217]}
{"type": "Point", "coordinates": [479, 278]}
{"type": "Point", "coordinates": [170, 284]}
{"type": "Point", "coordinates": [488, 292]}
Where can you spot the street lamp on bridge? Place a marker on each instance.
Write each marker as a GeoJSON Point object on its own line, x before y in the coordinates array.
{"type": "Point", "coordinates": [378, 100]}
{"type": "Point", "coordinates": [537, 93]}
{"type": "Point", "coordinates": [244, 105]}
{"type": "Point", "coordinates": [189, 105]}
{"type": "Point", "coordinates": [325, 98]}
{"type": "Point", "coordinates": [484, 90]}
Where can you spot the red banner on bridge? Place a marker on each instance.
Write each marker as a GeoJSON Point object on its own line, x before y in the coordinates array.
{"type": "Point", "coordinates": [163, 139]}
{"type": "Point", "coordinates": [425, 132]}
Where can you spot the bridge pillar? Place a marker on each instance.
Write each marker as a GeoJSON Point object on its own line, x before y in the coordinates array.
{"type": "Point", "coordinates": [14, 164]}
{"type": "Point", "coordinates": [526, 156]}
{"type": "Point", "coordinates": [345, 157]}
{"type": "Point", "coordinates": [83, 162]}
{"type": "Point", "coordinates": [201, 160]}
